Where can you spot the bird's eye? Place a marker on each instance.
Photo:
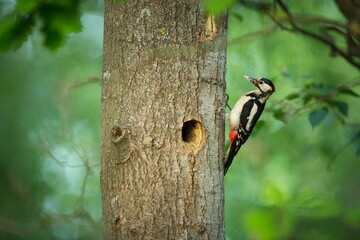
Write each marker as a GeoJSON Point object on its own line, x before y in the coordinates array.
{"type": "Point", "coordinates": [261, 82]}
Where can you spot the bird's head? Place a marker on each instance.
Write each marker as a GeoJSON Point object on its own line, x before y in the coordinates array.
{"type": "Point", "coordinates": [263, 84]}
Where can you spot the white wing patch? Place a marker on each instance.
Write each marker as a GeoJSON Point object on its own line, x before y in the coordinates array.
{"type": "Point", "coordinates": [251, 117]}
{"type": "Point", "coordinates": [236, 111]}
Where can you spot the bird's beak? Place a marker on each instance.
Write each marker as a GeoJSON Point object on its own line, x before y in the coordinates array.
{"type": "Point", "coordinates": [250, 79]}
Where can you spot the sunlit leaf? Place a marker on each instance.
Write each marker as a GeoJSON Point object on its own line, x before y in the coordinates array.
{"type": "Point", "coordinates": [317, 116]}
{"type": "Point", "coordinates": [260, 223]}
{"type": "Point", "coordinates": [343, 107]}
{"type": "Point", "coordinates": [27, 5]}
{"type": "Point", "coordinates": [272, 193]}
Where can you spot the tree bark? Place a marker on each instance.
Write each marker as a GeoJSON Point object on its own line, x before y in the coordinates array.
{"type": "Point", "coordinates": [163, 102]}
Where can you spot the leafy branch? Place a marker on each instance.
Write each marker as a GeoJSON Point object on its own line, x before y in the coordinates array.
{"type": "Point", "coordinates": [317, 98]}
{"type": "Point", "coordinates": [56, 19]}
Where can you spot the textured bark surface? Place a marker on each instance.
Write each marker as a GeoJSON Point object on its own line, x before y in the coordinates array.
{"type": "Point", "coordinates": [163, 100]}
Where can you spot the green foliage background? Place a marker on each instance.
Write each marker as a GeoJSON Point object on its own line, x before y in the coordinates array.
{"type": "Point", "coordinates": [297, 177]}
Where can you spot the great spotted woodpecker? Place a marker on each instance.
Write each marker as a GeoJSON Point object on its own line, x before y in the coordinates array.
{"type": "Point", "coordinates": [245, 114]}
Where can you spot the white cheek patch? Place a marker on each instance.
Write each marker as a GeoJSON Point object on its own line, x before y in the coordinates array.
{"type": "Point", "coordinates": [265, 87]}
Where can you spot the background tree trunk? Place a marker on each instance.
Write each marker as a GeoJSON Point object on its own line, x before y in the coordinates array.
{"type": "Point", "coordinates": [163, 100]}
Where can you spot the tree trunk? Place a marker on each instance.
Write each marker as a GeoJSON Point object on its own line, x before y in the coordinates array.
{"type": "Point", "coordinates": [163, 101]}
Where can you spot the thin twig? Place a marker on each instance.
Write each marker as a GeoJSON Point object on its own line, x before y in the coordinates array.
{"type": "Point", "coordinates": [253, 35]}
{"type": "Point", "coordinates": [326, 41]}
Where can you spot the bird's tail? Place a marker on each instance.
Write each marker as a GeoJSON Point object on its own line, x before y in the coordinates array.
{"type": "Point", "coordinates": [230, 156]}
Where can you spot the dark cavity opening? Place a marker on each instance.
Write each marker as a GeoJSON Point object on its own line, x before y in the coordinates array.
{"type": "Point", "coordinates": [116, 134]}
{"type": "Point", "coordinates": [192, 132]}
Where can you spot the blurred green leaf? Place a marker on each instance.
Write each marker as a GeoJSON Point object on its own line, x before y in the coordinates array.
{"type": "Point", "coordinates": [239, 17]}
{"type": "Point", "coordinates": [24, 6]}
{"type": "Point", "coordinates": [357, 151]}
{"type": "Point", "coordinates": [260, 224]}
{"type": "Point", "coordinates": [58, 21]}
{"type": "Point", "coordinates": [348, 92]}
{"type": "Point", "coordinates": [272, 193]}
{"type": "Point", "coordinates": [308, 98]}
{"type": "Point", "coordinates": [352, 216]}
{"type": "Point", "coordinates": [260, 124]}
{"type": "Point", "coordinates": [306, 75]}
{"type": "Point", "coordinates": [279, 114]}
{"type": "Point", "coordinates": [292, 96]}
{"type": "Point", "coordinates": [14, 31]}
{"type": "Point", "coordinates": [217, 7]}
{"type": "Point", "coordinates": [317, 116]}
{"type": "Point", "coordinates": [343, 107]}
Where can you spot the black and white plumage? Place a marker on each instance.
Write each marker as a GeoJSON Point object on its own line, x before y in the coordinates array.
{"type": "Point", "coordinates": [245, 114]}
